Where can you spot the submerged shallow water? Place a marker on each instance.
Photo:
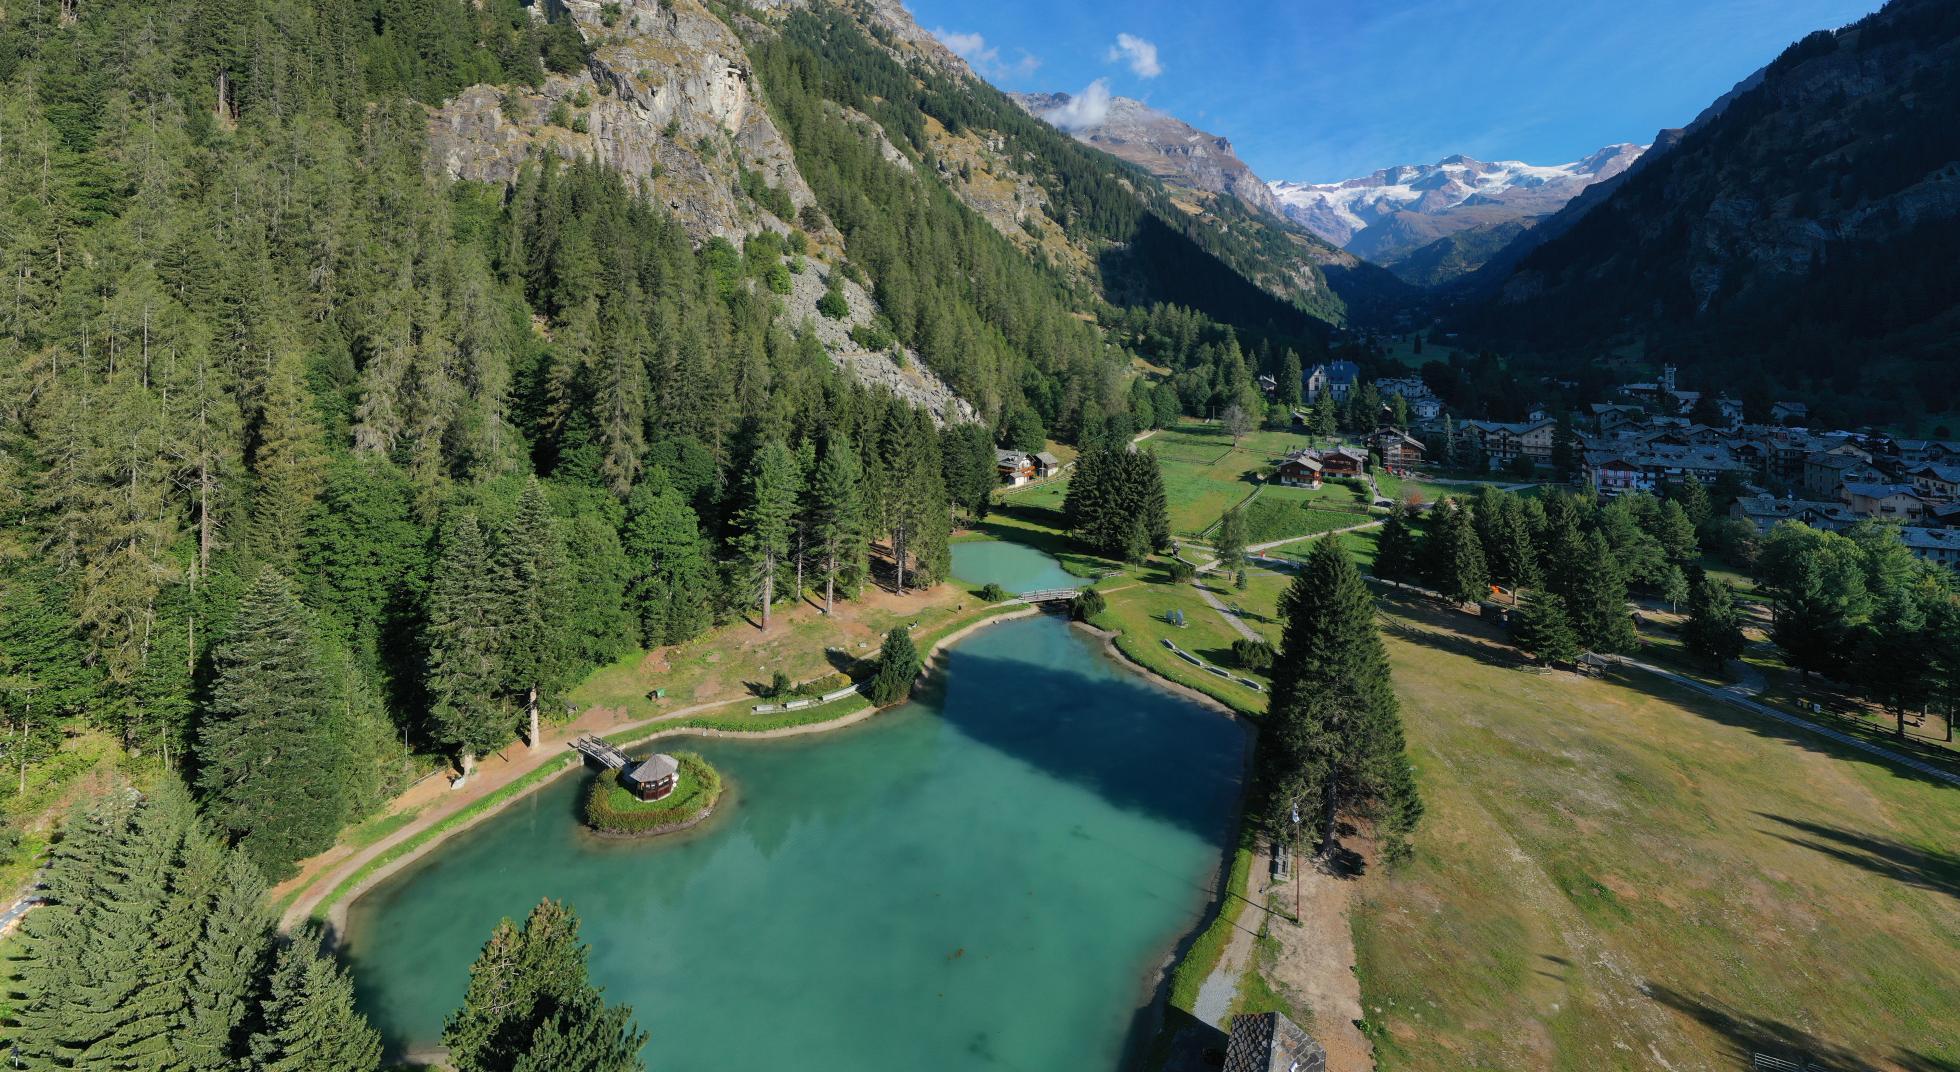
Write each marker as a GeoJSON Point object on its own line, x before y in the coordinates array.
{"type": "Point", "coordinates": [1015, 567]}
{"type": "Point", "coordinates": [987, 878]}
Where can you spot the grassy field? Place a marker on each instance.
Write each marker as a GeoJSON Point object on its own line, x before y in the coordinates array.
{"type": "Point", "coordinates": [1615, 875]}
{"type": "Point", "coordinates": [1205, 475]}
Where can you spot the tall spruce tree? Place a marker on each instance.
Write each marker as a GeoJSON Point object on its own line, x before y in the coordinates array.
{"type": "Point", "coordinates": [765, 522]}
{"type": "Point", "coordinates": [898, 668]}
{"type": "Point", "coordinates": [671, 571]}
{"type": "Point", "coordinates": [530, 1000]}
{"type": "Point", "coordinates": [536, 607]}
{"type": "Point", "coordinates": [1596, 599]}
{"type": "Point", "coordinates": [837, 519]}
{"type": "Point", "coordinates": [1713, 632]}
{"type": "Point", "coordinates": [275, 754]}
{"type": "Point", "coordinates": [1543, 628]}
{"type": "Point", "coordinates": [1398, 554]}
{"type": "Point", "coordinates": [308, 1022]}
{"type": "Point", "coordinates": [1230, 540]}
{"type": "Point", "coordinates": [463, 641]}
{"type": "Point", "coordinates": [1336, 723]}
{"type": "Point", "coordinates": [1454, 555]}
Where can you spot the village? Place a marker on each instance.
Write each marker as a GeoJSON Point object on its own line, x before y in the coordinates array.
{"type": "Point", "coordinates": [1655, 435]}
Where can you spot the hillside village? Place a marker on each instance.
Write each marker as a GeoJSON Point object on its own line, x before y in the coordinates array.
{"type": "Point", "coordinates": [1655, 434]}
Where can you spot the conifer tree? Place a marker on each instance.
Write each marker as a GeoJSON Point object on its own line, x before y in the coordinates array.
{"type": "Point", "coordinates": [671, 570]}
{"type": "Point", "coordinates": [275, 753]}
{"type": "Point", "coordinates": [308, 1022]}
{"type": "Point", "coordinates": [536, 611]}
{"type": "Point", "coordinates": [1676, 533]}
{"type": "Point", "coordinates": [289, 463]}
{"type": "Point", "coordinates": [1337, 727]}
{"type": "Point", "coordinates": [1289, 379]}
{"type": "Point", "coordinates": [764, 523]}
{"type": "Point", "coordinates": [1713, 632]}
{"type": "Point", "coordinates": [1454, 554]}
{"type": "Point", "coordinates": [1596, 599]}
{"type": "Point", "coordinates": [1693, 497]}
{"type": "Point", "coordinates": [1543, 628]}
{"type": "Point", "coordinates": [1230, 540]}
{"type": "Point", "coordinates": [1398, 555]}
{"type": "Point", "coordinates": [898, 667]}
{"type": "Point", "coordinates": [531, 1006]}
{"type": "Point", "coordinates": [463, 644]}
{"type": "Point", "coordinates": [837, 519]}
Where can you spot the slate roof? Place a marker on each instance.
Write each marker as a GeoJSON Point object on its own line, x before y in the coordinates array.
{"type": "Point", "coordinates": [1269, 1042]}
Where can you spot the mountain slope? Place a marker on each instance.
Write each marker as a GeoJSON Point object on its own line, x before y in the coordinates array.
{"type": "Point", "coordinates": [1390, 213]}
{"type": "Point", "coordinates": [1155, 141]}
{"type": "Point", "coordinates": [1801, 233]}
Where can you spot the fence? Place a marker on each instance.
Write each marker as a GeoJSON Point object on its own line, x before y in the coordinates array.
{"type": "Point", "coordinates": [812, 701]}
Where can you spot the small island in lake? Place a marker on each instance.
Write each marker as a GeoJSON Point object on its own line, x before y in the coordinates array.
{"type": "Point", "coordinates": [658, 795]}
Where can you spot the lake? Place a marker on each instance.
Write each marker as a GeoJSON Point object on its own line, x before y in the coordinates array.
{"type": "Point", "coordinates": [1016, 567]}
{"type": "Point", "coordinates": [989, 877]}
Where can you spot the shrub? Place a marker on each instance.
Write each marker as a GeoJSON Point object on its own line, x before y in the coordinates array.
{"type": "Point", "coordinates": [609, 808]}
{"type": "Point", "coordinates": [561, 115]}
{"type": "Point", "coordinates": [992, 592]}
{"type": "Point", "coordinates": [1181, 570]}
{"type": "Point", "coordinates": [832, 304]}
{"type": "Point", "coordinates": [779, 686]}
{"type": "Point", "coordinates": [1252, 654]}
{"type": "Point", "coordinates": [1088, 603]}
{"type": "Point", "coordinates": [872, 337]}
{"type": "Point", "coordinates": [898, 667]}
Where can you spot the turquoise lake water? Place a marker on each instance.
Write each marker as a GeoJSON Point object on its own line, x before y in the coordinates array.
{"type": "Point", "coordinates": [989, 877]}
{"type": "Point", "coordinates": [1015, 567]}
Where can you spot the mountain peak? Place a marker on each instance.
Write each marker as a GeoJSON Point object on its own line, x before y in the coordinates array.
{"type": "Point", "coordinates": [1156, 141]}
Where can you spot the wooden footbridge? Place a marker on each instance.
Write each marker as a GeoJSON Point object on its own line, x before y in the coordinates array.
{"type": "Point", "coordinates": [1047, 595]}
{"type": "Point", "coordinates": [600, 751]}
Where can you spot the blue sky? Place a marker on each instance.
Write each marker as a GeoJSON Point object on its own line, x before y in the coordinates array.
{"type": "Point", "coordinates": [1320, 90]}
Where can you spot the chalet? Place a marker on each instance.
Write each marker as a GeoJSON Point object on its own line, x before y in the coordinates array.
{"type": "Point", "coordinates": [1764, 511]}
{"type": "Point", "coordinates": [1423, 403]}
{"type": "Point", "coordinates": [1826, 471]}
{"type": "Point", "coordinates": [652, 778]}
{"type": "Point", "coordinates": [1505, 442]}
{"type": "Point", "coordinates": [1269, 1042]}
{"type": "Point", "coordinates": [1268, 385]}
{"type": "Point", "coordinates": [1921, 451]}
{"type": "Point", "coordinates": [1400, 451]}
{"type": "Point", "coordinates": [1343, 462]}
{"type": "Point", "coordinates": [1610, 417]}
{"type": "Point", "coordinates": [1936, 481]}
{"type": "Point", "coordinates": [1648, 468]}
{"type": "Point", "coordinates": [1015, 467]}
{"type": "Point", "coordinates": [1939, 546]}
{"type": "Point", "coordinates": [1300, 469]}
{"type": "Point", "coordinates": [1046, 465]}
{"type": "Point", "coordinates": [1789, 413]}
{"type": "Point", "coordinates": [1945, 515]}
{"type": "Point", "coordinates": [1337, 378]}
{"type": "Point", "coordinates": [1888, 502]}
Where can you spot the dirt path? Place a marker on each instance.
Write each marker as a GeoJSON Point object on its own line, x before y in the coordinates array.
{"type": "Point", "coordinates": [1231, 617]}
{"type": "Point", "coordinates": [1315, 965]}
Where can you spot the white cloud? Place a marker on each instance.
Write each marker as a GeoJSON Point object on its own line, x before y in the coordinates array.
{"type": "Point", "coordinates": [985, 58]}
{"type": "Point", "coordinates": [971, 47]}
{"type": "Point", "coordinates": [1086, 109]}
{"type": "Point", "coordinates": [1140, 54]}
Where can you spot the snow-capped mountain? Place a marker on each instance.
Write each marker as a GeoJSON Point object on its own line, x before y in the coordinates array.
{"type": "Point", "coordinates": [1392, 212]}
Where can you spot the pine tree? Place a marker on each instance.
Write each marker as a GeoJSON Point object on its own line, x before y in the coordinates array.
{"type": "Point", "coordinates": [764, 523]}
{"type": "Point", "coordinates": [1289, 379]}
{"type": "Point", "coordinates": [1230, 540]}
{"type": "Point", "coordinates": [1713, 632]}
{"type": "Point", "coordinates": [290, 464]}
{"type": "Point", "coordinates": [536, 596]}
{"type": "Point", "coordinates": [463, 641]}
{"type": "Point", "coordinates": [898, 668]}
{"type": "Point", "coordinates": [671, 571]}
{"type": "Point", "coordinates": [1676, 533]}
{"type": "Point", "coordinates": [837, 520]}
{"type": "Point", "coordinates": [1596, 599]}
{"type": "Point", "coordinates": [1567, 461]}
{"type": "Point", "coordinates": [1895, 653]}
{"type": "Point", "coordinates": [1543, 628]}
{"type": "Point", "coordinates": [1454, 555]}
{"type": "Point", "coordinates": [309, 1022]}
{"type": "Point", "coordinates": [275, 753]}
{"type": "Point", "coordinates": [530, 1005]}
{"type": "Point", "coordinates": [1505, 534]}
{"type": "Point", "coordinates": [1337, 730]}
{"type": "Point", "coordinates": [1693, 497]}
{"type": "Point", "coordinates": [1398, 554]}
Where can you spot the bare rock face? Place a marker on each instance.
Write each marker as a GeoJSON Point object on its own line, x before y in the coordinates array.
{"type": "Point", "coordinates": [1161, 144]}
{"type": "Point", "coordinates": [668, 99]}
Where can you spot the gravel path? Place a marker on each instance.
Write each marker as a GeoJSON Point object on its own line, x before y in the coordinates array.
{"type": "Point", "coordinates": [1231, 617]}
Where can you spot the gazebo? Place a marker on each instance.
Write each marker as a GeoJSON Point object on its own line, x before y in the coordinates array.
{"type": "Point", "coordinates": [651, 778]}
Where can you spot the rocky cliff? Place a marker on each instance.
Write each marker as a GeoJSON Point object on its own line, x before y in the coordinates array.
{"type": "Point", "coordinates": [668, 100]}
{"type": "Point", "coordinates": [1160, 143]}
